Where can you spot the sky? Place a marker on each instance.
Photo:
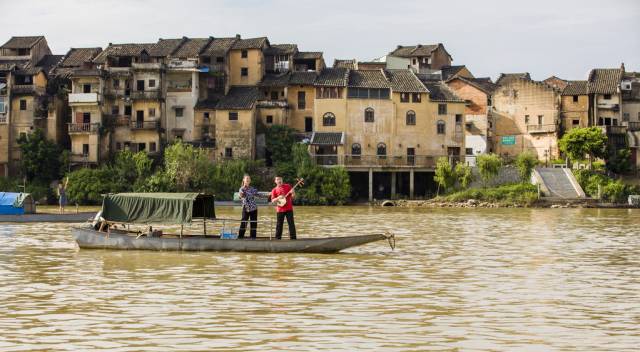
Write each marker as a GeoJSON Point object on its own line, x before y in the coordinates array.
{"type": "Point", "coordinates": [565, 38]}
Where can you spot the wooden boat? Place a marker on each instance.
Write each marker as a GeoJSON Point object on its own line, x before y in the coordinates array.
{"type": "Point", "coordinates": [183, 208]}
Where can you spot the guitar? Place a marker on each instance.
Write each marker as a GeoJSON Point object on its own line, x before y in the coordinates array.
{"type": "Point", "coordinates": [281, 201]}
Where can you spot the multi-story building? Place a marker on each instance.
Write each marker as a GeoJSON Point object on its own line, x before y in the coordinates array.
{"type": "Point", "coordinates": [630, 87]}
{"type": "Point", "coordinates": [526, 117]}
{"type": "Point", "coordinates": [574, 106]}
{"type": "Point", "coordinates": [420, 58]}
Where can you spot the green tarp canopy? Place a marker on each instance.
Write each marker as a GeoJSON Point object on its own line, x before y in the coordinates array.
{"type": "Point", "coordinates": [167, 208]}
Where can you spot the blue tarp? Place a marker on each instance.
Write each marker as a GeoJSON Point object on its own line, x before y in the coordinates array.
{"type": "Point", "coordinates": [11, 204]}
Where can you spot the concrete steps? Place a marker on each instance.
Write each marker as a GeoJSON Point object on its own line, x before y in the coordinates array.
{"type": "Point", "coordinates": [558, 183]}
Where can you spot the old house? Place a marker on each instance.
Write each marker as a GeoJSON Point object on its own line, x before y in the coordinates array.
{"type": "Point", "coordinates": [556, 82]}
{"type": "Point", "coordinates": [235, 123]}
{"type": "Point", "coordinates": [526, 117]}
{"type": "Point", "coordinates": [420, 58]}
{"type": "Point", "coordinates": [574, 106]}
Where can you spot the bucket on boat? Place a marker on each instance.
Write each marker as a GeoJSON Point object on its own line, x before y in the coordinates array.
{"type": "Point", "coordinates": [229, 233]}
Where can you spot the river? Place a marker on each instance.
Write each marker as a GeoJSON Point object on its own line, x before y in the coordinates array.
{"type": "Point", "coordinates": [459, 279]}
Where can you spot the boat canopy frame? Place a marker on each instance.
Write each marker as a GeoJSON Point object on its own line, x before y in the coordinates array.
{"type": "Point", "coordinates": [159, 208]}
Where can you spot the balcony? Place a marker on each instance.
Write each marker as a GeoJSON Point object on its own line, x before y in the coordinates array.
{"type": "Point", "coordinates": [214, 67]}
{"type": "Point", "coordinates": [146, 66]}
{"type": "Point", "coordinates": [613, 130]}
{"type": "Point", "coordinates": [117, 120]}
{"type": "Point", "coordinates": [608, 106]}
{"type": "Point", "coordinates": [634, 126]}
{"type": "Point", "coordinates": [84, 98]}
{"type": "Point", "coordinates": [81, 158]}
{"type": "Point", "coordinates": [146, 95]}
{"type": "Point", "coordinates": [78, 128]}
{"type": "Point", "coordinates": [550, 128]}
{"type": "Point", "coordinates": [145, 125]}
{"type": "Point", "coordinates": [282, 104]}
{"type": "Point", "coordinates": [188, 65]}
{"type": "Point", "coordinates": [3, 118]}
{"type": "Point", "coordinates": [397, 161]}
{"type": "Point", "coordinates": [27, 89]}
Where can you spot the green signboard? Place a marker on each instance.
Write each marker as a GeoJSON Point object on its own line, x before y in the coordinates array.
{"type": "Point", "coordinates": [508, 140]}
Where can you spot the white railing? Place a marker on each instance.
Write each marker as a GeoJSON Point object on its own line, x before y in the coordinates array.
{"type": "Point", "coordinates": [84, 98]}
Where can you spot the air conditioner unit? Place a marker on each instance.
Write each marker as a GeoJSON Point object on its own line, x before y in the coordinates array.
{"type": "Point", "coordinates": [626, 85]}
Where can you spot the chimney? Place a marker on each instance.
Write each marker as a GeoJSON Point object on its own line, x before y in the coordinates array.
{"type": "Point", "coordinates": [110, 44]}
{"type": "Point", "coordinates": [622, 67]}
{"type": "Point", "coordinates": [238, 36]}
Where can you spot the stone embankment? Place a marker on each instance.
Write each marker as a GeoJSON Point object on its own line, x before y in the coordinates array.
{"type": "Point", "coordinates": [473, 203]}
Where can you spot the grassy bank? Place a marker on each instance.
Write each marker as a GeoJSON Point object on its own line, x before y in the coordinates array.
{"type": "Point", "coordinates": [513, 194]}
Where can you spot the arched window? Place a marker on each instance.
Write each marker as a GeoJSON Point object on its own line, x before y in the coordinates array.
{"type": "Point", "coordinates": [368, 115]}
{"type": "Point", "coordinates": [441, 127]}
{"type": "Point", "coordinates": [382, 150]}
{"type": "Point", "coordinates": [411, 118]}
{"type": "Point", "coordinates": [356, 149]}
{"type": "Point", "coordinates": [329, 119]}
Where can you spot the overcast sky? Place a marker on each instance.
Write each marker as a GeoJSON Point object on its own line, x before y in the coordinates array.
{"type": "Point", "coordinates": [543, 37]}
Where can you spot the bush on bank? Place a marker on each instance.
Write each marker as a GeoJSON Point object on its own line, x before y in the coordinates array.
{"type": "Point", "coordinates": [611, 190]}
{"type": "Point", "coordinates": [519, 193]}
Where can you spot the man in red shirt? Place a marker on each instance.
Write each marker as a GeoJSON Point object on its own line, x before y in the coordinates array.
{"type": "Point", "coordinates": [282, 189]}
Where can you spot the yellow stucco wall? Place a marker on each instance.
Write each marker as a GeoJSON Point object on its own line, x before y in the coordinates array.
{"type": "Point", "coordinates": [254, 62]}
{"type": "Point", "coordinates": [238, 135]}
{"type": "Point", "coordinates": [297, 116]}
{"type": "Point", "coordinates": [574, 111]}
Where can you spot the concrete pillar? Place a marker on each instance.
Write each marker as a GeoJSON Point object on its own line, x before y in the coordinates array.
{"type": "Point", "coordinates": [393, 185]}
{"type": "Point", "coordinates": [370, 184]}
{"type": "Point", "coordinates": [411, 178]}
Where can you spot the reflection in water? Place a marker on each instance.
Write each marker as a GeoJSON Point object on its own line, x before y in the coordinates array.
{"type": "Point", "coordinates": [483, 279]}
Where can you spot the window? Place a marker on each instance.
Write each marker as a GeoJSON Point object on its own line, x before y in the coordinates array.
{"type": "Point", "coordinates": [86, 117]}
{"type": "Point", "coordinates": [233, 116]}
{"type": "Point", "coordinates": [86, 88]}
{"type": "Point", "coordinates": [468, 151]}
{"type": "Point", "coordinates": [115, 110]}
{"type": "Point", "coordinates": [416, 97]}
{"type": "Point", "coordinates": [607, 97]}
{"type": "Point", "coordinates": [458, 119]}
{"type": "Point", "coordinates": [441, 127]}
{"type": "Point", "coordinates": [244, 72]}
{"type": "Point", "coordinates": [206, 116]}
{"type": "Point", "coordinates": [206, 60]}
{"type": "Point", "coordinates": [328, 93]}
{"type": "Point", "coordinates": [179, 112]}
{"type": "Point", "coordinates": [575, 98]}
{"type": "Point", "coordinates": [302, 100]}
{"type": "Point", "coordinates": [152, 83]}
{"type": "Point", "coordinates": [127, 110]}
{"type": "Point", "coordinates": [85, 150]}
{"type": "Point", "coordinates": [140, 84]}
{"type": "Point", "coordinates": [381, 150]}
{"type": "Point", "coordinates": [274, 95]}
{"type": "Point", "coordinates": [368, 93]}
{"type": "Point", "coordinates": [404, 97]}
{"type": "Point", "coordinates": [152, 146]}
{"type": "Point", "coordinates": [576, 122]}
{"type": "Point", "coordinates": [220, 59]}
{"type": "Point", "coordinates": [442, 109]}
{"type": "Point", "coordinates": [2, 105]}
{"type": "Point", "coordinates": [244, 54]}
{"type": "Point", "coordinates": [368, 115]}
{"type": "Point", "coordinates": [526, 119]}
{"type": "Point", "coordinates": [515, 94]}
{"type": "Point", "coordinates": [329, 119]}
{"type": "Point", "coordinates": [411, 118]}
{"type": "Point", "coordinates": [308, 124]}
{"type": "Point", "coordinates": [228, 152]}
{"type": "Point", "coordinates": [152, 112]}
{"type": "Point", "coordinates": [142, 146]}
{"type": "Point", "coordinates": [415, 61]}
{"type": "Point", "coordinates": [540, 119]}
{"type": "Point", "coordinates": [356, 149]}
{"type": "Point", "coordinates": [116, 83]}
{"type": "Point", "coordinates": [23, 104]}
{"type": "Point", "coordinates": [269, 119]}
{"type": "Point", "coordinates": [625, 116]}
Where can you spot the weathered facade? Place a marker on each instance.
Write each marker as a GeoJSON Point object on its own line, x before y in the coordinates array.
{"type": "Point", "coordinates": [575, 106]}
{"type": "Point", "coordinates": [420, 58]}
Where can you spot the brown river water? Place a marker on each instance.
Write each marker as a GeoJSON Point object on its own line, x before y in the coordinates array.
{"type": "Point", "coordinates": [459, 279]}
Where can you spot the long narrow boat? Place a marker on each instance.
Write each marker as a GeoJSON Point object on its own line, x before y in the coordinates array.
{"type": "Point", "coordinates": [184, 208]}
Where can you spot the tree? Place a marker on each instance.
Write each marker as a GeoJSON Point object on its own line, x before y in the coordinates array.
{"type": "Point", "coordinates": [525, 162]}
{"type": "Point", "coordinates": [186, 166]}
{"type": "Point", "coordinates": [86, 186]}
{"type": "Point", "coordinates": [464, 174]}
{"type": "Point", "coordinates": [620, 161]}
{"type": "Point", "coordinates": [445, 175]}
{"type": "Point", "coordinates": [579, 142]}
{"type": "Point", "coordinates": [488, 167]}
{"type": "Point", "coordinates": [40, 157]}
{"type": "Point", "coordinates": [279, 142]}
{"type": "Point", "coordinates": [132, 168]}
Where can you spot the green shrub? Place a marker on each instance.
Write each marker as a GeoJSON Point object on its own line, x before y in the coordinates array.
{"type": "Point", "coordinates": [464, 175]}
{"type": "Point", "coordinates": [615, 192]}
{"type": "Point", "coordinates": [445, 176]}
{"type": "Point", "coordinates": [525, 162]}
{"type": "Point", "coordinates": [521, 193]}
{"type": "Point", "coordinates": [488, 167]}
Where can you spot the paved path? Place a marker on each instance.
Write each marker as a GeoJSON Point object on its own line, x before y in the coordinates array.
{"type": "Point", "coordinates": [69, 217]}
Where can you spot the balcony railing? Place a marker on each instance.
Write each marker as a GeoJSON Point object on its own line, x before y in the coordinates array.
{"type": "Point", "coordinates": [423, 161]}
{"type": "Point", "coordinates": [146, 65]}
{"type": "Point", "coordinates": [3, 118]}
{"type": "Point", "coordinates": [609, 130]}
{"type": "Point", "coordinates": [27, 89]}
{"type": "Point", "coordinates": [84, 98]}
{"type": "Point", "coordinates": [549, 128]}
{"type": "Point", "coordinates": [145, 125]}
{"type": "Point", "coordinates": [272, 104]}
{"type": "Point", "coordinates": [84, 127]}
{"type": "Point", "coordinates": [634, 126]}
{"type": "Point", "coordinates": [614, 107]}
{"type": "Point", "coordinates": [146, 95]}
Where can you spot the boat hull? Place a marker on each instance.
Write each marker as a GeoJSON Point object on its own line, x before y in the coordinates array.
{"type": "Point", "coordinates": [90, 238]}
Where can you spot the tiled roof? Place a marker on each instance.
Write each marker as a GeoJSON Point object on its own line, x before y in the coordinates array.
{"type": "Point", "coordinates": [123, 50]}
{"type": "Point", "coordinates": [368, 79]}
{"type": "Point", "coordinates": [239, 98]}
{"type": "Point", "coordinates": [345, 63]}
{"type": "Point", "coordinates": [49, 62]}
{"type": "Point", "coordinates": [405, 81]}
{"type": "Point", "coordinates": [21, 42]}
{"type": "Point", "coordinates": [482, 83]}
{"type": "Point", "coordinates": [508, 77]}
{"type": "Point", "coordinates": [165, 47]}
{"type": "Point", "coordinates": [191, 47]}
{"type": "Point", "coordinates": [556, 82]}
{"type": "Point", "coordinates": [414, 50]}
{"type": "Point", "coordinates": [219, 46]}
{"type": "Point", "coordinates": [333, 77]}
{"type": "Point", "coordinates": [209, 103]}
{"type": "Point", "coordinates": [438, 91]}
{"type": "Point", "coordinates": [282, 49]}
{"type": "Point", "coordinates": [576, 88]}
{"type": "Point", "coordinates": [604, 80]}
{"type": "Point", "coordinates": [76, 57]}
{"type": "Point", "coordinates": [307, 55]}
{"type": "Point", "coordinates": [275, 80]}
{"type": "Point", "coordinates": [450, 71]}
{"type": "Point", "coordinates": [251, 43]}
{"type": "Point", "coordinates": [327, 138]}
{"type": "Point", "coordinates": [302, 78]}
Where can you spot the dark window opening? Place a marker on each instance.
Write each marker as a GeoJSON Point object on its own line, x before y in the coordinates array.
{"type": "Point", "coordinates": [86, 88]}
{"type": "Point", "coordinates": [244, 54]}
{"type": "Point", "coordinates": [607, 96]}
{"type": "Point", "coordinates": [442, 109]}
{"type": "Point", "coordinates": [152, 83]}
{"type": "Point", "coordinates": [458, 119]}
{"type": "Point", "coordinates": [228, 152]}
{"type": "Point", "coordinates": [404, 97]}
{"type": "Point", "coordinates": [356, 149]}
{"type": "Point", "coordinates": [368, 115]}
{"type": "Point", "coordinates": [329, 119]}
{"type": "Point", "coordinates": [416, 97]}
{"type": "Point", "coordinates": [441, 127]}
{"type": "Point", "coordinates": [381, 150]}
{"type": "Point", "coordinates": [233, 116]}
{"type": "Point", "coordinates": [85, 150]}
{"type": "Point", "coordinates": [179, 112]}
{"type": "Point", "coordinates": [575, 98]}
{"type": "Point", "coordinates": [274, 95]}
{"type": "Point", "coordinates": [244, 71]}
{"type": "Point", "coordinates": [269, 119]}
{"type": "Point", "coordinates": [127, 110]}
{"type": "Point", "coordinates": [206, 60]}
{"type": "Point", "coordinates": [302, 102]}
{"type": "Point", "coordinates": [468, 151]}
{"type": "Point", "coordinates": [23, 104]}
{"type": "Point", "coordinates": [308, 124]}
{"type": "Point", "coordinates": [411, 118]}
{"type": "Point", "coordinates": [86, 117]}
{"type": "Point", "coordinates": [152, 146]}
